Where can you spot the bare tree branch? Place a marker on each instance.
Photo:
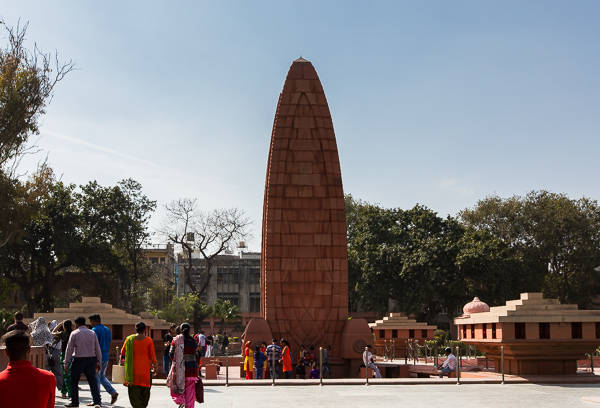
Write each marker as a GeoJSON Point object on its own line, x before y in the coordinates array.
{"type": "Point", "coordinates": [27, 81]}
{"type": "Point", "coordinates": [208, 234]}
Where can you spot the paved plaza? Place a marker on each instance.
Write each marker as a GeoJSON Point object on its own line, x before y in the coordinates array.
{"type": "Point", "coordinates": [446, 395]}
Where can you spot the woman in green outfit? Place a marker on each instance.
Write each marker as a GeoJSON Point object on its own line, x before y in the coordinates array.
{"type": "Point", "coordinates": [140, 366]}
{"type": "Point", "coordinates": [62, 332]}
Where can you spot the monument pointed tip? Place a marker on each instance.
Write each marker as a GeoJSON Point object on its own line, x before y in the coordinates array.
{"type": "Point", "coordinates": [301, 60]}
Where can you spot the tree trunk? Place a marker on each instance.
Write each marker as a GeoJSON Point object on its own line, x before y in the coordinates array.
{"type": "Point", "coordinates": [31, 304]}
{"type": "Point", "coordinates": [204, 287]}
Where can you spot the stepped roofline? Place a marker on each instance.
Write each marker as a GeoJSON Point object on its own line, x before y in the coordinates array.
{"type": "Point", "coordinates": [531, 307]}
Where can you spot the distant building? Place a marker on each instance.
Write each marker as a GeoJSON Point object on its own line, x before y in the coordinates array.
{"type": "Point", "coordinates": [399, 329]}
{"type": "Point", "coordinates": [234, 277]}
{"type": "Point", "coordinates": [160, 254]}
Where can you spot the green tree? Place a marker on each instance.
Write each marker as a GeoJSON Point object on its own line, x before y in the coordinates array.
{"type": "Point", "coordinates": [50, 244]}
{"type": "Point", "coordinates": [20, 201]}
{"type": "Point", "coordinates": [492, 271]}
{"type": "Point", "coordinates": [88, 230]}
{"type": "Point", "coordinates": [225, 312]}
{"type": "Point", "coordinates": [6, 319]}
{"type": "Point", "coordinates": [406, 256]}
{"type": "Point", "coordinates": [182, 309]}
{"type": "Point", "coordinates": [557, 238]}
{"type": "Point", "coordinates": [116, 225]}
{"type": "Point", "coordinates": [159, 292]}
{"type": "Point", "coordinates": [27, 81]}
{"type": "Point", "coordinates": [373, 260]}
{"type": "Point", "coordinates": [430, 280]}
{"type": "Point", "coordinates": [424, 263]}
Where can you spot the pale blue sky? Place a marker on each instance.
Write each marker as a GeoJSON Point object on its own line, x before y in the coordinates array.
{"type": "Point", "coordinates": [440, 103]}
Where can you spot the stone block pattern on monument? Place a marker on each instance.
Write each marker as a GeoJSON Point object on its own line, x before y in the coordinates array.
{"type": "Point", "coordinates": [304, 265]}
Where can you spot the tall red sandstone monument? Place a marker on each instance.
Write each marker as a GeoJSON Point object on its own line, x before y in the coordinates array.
{"type": "Point", "coordinates": [304, 258]}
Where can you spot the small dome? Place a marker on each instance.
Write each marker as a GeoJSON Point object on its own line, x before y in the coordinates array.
{"type": "Point", "coordinates": [476, 306]}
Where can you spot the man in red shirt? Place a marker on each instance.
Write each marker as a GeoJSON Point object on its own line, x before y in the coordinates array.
{"type": "Point", "coordinates": [21, 377]}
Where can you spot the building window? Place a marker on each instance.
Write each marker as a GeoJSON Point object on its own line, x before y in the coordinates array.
{"type": "Point", "coordinates": [411, 333]}
{"type": "Point", "coordinates": [382, 334]}
{"type": "Point", "coordinates": [544, 330]}
{"type": "Point", "coordinates": [493, 330]}
{"type": "Point", "coordinates": [153, 260]}
{"type": "Point", "coordinates": [520, 331]}
{"type": "Point", "coordinates": [395, 333]}
{"type": "Point", "coordinates": [233, 298]}
{"type": "Point", "coordinates": [472, 331]}
{"type": "Point", "coordinates": [576, 330]}
{"type": "Point", "coordinates": [226, 275]}
{"type": "Point", "coordinates": [598, 330]}
{"type": "Point", "coordinates": [484, 331]}
{"type": "Point", "coordinates": [424, 333]}
{"type": "Point", "coordinates": [464, 331]}
{"type": "Point", "coordinates": [117, 332]}
{"type": "Point", "coordinates": [254, 276]}
{"type": "Point", "coordinates": [255, 304]}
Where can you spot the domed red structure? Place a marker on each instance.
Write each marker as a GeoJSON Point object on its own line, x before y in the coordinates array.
{"type": "Point", "coordinates": [539, 336]}
{"type": "Point", "coordinates": [475, 306]}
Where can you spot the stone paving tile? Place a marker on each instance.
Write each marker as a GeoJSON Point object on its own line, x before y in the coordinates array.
{"type": "Point", "coordinates": [350, 396]}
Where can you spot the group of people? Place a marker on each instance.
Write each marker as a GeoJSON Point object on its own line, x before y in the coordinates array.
{"type": "Point", "coordinates": [271, 358]}
{"type": "Point", "coordinates": [84, 349]}
{"type": "Point", "coordinates": [70, 352]}
{"type": "Point", "coordinates": [207, 346]}
{"type": "Point", "coordinates": [447, 367]}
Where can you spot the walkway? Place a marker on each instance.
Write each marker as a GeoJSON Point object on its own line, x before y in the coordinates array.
{"type": "Point", "coordinates": [347, 396]}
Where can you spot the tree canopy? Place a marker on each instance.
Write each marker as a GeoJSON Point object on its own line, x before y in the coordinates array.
{"type": "Point", "coordinates": [557, 238]}
{"type": "Point", "coordinates": [424, 263]}
{"type": "Point", "coordinates": [27, 81]}
{"type": "Point", "coordinates": [93, 229]}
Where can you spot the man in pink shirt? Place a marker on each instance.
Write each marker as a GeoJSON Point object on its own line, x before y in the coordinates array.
{"type": "Point", "coordinates": [21, 384]}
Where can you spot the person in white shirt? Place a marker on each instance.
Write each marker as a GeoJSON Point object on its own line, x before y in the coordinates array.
{"type": "Point", "coordinates": [201, 340]}
{"type": "Point", "coordinates": [450, 364]}
{"type": "Point", "coordinates": [368, 361]}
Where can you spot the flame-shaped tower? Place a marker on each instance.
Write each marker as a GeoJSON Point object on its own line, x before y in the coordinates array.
{"type": "Point", "coordinates": [304, 257]}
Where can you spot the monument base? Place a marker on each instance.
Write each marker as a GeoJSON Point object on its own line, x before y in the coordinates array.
{"type": "Point", "coordinates": [535, 357]}
{"type": "Point", "coordinates": [536, 367]}
{"type": "Point", "coordinates": [257, 331]}
{"type": "Point", "coordinates": [346, 357]}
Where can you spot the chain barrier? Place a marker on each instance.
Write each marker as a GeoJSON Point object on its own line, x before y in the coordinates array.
{"type": "Point", "coordinates": [389, 352]}
{"type": "Point", "coordinates": [431, 351]}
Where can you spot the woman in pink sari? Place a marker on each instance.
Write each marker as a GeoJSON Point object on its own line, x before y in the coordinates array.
{"type": "Point", "coordinates": [184, 371]}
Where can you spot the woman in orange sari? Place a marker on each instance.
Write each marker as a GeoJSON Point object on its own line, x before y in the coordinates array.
{"type": "Point", "coordinates": [248, 360]}
{"type": "Point", "coordinates": [140, 366]}
{"type": "Point", "coordinates": [286, 359]}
